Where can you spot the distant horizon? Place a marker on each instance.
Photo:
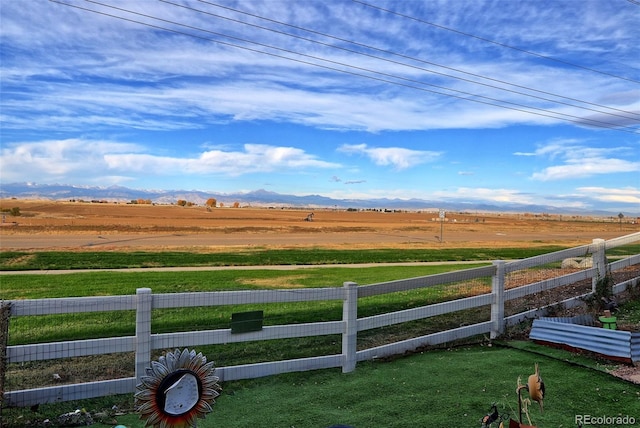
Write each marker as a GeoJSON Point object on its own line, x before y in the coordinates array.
{"type": "Point", "coordinates": [264, 198]}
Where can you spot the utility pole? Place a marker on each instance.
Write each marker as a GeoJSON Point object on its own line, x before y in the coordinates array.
{"type": "Point", "coordinates": [442, 214]}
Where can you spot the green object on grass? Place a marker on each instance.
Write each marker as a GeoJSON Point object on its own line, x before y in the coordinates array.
{"type": "Point", "coordinates": [609, 322]}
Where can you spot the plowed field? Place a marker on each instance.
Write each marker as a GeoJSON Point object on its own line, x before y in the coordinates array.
{"type": "Point", "coordinates": [52, 225]}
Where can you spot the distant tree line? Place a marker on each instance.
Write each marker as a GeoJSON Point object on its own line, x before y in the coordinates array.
{"type": "Point", "coordinates": [211, 203]}
{"type": "Point", "coordinates": [15, 211]}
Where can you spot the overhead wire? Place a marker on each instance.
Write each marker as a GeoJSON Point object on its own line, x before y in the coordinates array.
{"type": "Point", "coordinates": [581, 119]}
{"type": "Point", "coordinates": [405, 57]}
{"type": "Point", "coordinates": [504, 45]}
{"type": "Point", "coordinates": [538, 111]}
{"type": "Point", "coordinates": [375, 57]}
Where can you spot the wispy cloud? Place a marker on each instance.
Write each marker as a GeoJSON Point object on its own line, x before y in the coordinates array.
{"type": "Point", "coordinates": [254, 158]}
{"type": "Point", "coordinates": [103, 72]}
{"type": "Point", "coordinates": [55, 160]}
{"type": "Point", "coordinates": [496, 195]}
{"type": "Point", "coordinates": [336, 179]}
{"type": "Point", "coordinates": [100, 160]}
{"type": "Point", "coordinates": [578, 160]}
{"type": "Point", "coordinates": [627, 195]}
{"type": "Point", "coordinates": [397, 157]}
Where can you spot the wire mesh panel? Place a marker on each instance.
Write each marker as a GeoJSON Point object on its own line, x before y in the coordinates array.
{"type": "Point", "coordinates": [552, 284]}
{"type": "Point", "coordinates": [543, 281]}
{"type": "Point", "coordinates": [423, 306]}
{"type": "Point", "coordinates": [56, 344]}
{"type": "Point", "coordinates": [66, 371]}
{"type": "Point", "coordinates": [5, 311]}
{"type": "Point", "coordinates": [293, 328]}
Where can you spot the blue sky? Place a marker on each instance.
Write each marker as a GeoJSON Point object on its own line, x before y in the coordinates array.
{"type": "Point", "coordinates": [528, 102]}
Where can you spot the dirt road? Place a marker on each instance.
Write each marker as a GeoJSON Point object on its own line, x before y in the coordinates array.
{"type": "Point", "coordinates": [117, 241]}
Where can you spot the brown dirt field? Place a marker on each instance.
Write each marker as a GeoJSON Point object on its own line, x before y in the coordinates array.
{"type": "Point", "coordinates": [54, 225]}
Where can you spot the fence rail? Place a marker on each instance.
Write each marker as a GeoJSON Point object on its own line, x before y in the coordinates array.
{"type": "Point", "coordinates": [144, 342]}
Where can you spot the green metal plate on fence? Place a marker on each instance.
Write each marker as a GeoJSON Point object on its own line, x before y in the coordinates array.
{"type": "Point", "coordinates": [243, 322]}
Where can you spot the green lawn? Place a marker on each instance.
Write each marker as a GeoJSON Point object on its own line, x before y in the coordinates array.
{"type": "Point", "coordinates": [438, 388]}
{"type": "Point", "coordinates": [111, 283]}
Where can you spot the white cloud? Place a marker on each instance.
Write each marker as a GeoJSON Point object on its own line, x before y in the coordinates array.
{"type": "Point", "coordinates": [580, 161]}
{"type": "Point", "coordinates": [254, 158]}
{"type": "Point", "coordinates": [586, 167]}
{"type": "Point", "coordinates": [627, 195]}
{"type": "Point", "coordinates": [397, 157]}
{"type": "Point", "coordinates": [92, 70]}
{"type": "Point", "coordinates": [501, 195]}
{"type": "Point", "coordinates": [54, 160]}
{"type": "Point", "coordinates": [106, 162]}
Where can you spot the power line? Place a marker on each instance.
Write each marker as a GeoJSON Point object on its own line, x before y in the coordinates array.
{"type": "Point", "coordinates": [538, 111]}
{"type": "Point", "coordinates": [406, 57]}
{"type": "Point", "coordinates": [546, 113]}
{"type": "Point", "coordinates": [582, 120]}
{"type": "Point", "coordinates": [504, 45]}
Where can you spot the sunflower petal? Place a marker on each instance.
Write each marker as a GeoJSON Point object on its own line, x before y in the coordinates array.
{"type": "Point", "coordinates": [159, 369]}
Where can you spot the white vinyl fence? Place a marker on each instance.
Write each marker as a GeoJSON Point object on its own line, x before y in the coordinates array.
{"type": "Point", "coordinates": [144, 341]}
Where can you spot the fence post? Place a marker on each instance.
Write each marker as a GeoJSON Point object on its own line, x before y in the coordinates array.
{"type": "Point", "coordinates": [599, 255]}
{"type": "Point", "coordinates": [350, 334]}
{"type": "Point", "coordinates": [143, 331]}
{"type": "Point", "coordinates": [497, 307]}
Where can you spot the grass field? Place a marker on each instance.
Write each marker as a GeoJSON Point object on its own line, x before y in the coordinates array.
{"type": "Point", "coordinates": [52, 260]}
{"type": "Point", "coordinates": [62, 327]}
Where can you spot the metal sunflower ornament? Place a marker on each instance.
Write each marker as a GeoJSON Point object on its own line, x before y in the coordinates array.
{"type": "Point", "coordinates": [178, 388]}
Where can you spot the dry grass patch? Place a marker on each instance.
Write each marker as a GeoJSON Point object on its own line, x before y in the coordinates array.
{"type": "Point", "coordinates": [20, 260]}
{"type": "Point", "coordinates": [39, 374]}
{"type": "Point", "coordinates": [290, 281]}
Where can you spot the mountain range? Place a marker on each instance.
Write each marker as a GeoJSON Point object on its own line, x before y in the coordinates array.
{"type": "Point", "coordinates": [264, 198]}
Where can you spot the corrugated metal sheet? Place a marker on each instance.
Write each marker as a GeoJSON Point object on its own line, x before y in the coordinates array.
{"type": "Point", "coordinates": [611, 343]}
{"type": "Point", "coordinates": [635, 348]}
{"type": "Point", "coordinates": [578, 319]}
